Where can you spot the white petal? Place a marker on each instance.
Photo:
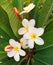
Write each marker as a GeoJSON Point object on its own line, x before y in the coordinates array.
{"type": "Point", "coordinates": [10, 54]}
{"type": "Point", "coordinates": [24, 40]}
{"type": "Point", "coordinates": [25, 46]}
{"type": "Point", "coordinates": [22, 53]}
{"type": "Point", "coordinates": [26, 36]}
{"type": "Point", "coordinates": [16, 57]}
{"type": "Point", "coordinates": [22, 31]}
{"type": "Point", "coordinates": [17, 45]}
{"type": "Point", "coordinates": [12, 42]}
{"type": "Point", "coordinates": [25, 8]}
{"type": "Point", "coordinates": [39, 41]}
{"type": "Point", "coordinates": [25, 22]}
{"type": "Point", "coordinates": [29, 7]}
{"type": "Point", "coordinates": [39, 31]}
{"type": "Point", "coordinates": [31, 44]}
{"type": "Point", "coordinates": [22, 12]}
{"type": "Point", "coordinates": [31, 30]}
{"type": "Point", "coordinates": [32, 22]}
{"type": "Point", "coordinates": [24, 43]}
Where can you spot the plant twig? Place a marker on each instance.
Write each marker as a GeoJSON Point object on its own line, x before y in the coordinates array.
{"type": "Point", "coordinates": [23, 60]}
{"type": "Point", "coordinates": [28, 61]}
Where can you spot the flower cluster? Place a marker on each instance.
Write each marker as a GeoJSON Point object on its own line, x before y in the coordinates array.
{"type": "Point", "coordinates": [30, 36]}
{"type": "Point", "coordinates": [30, 33]}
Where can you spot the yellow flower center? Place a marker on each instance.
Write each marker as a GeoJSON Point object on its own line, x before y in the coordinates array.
{"type": "Point", "coordinates": [27, 10]}
{"type": "Point", "coordinates": [33, 36]}
{"type": "Point", "coordinates": [16, 49]}
{"type": "Point", "coordinates": [27, 29]}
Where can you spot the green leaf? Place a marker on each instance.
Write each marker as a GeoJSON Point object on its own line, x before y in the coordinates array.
{"type": "Point", "coordinates": [48, 41]}
{"type": "Point", "coordinates": [19, 3]}
{"type": "Point", "coordinates": [1, 40]}
{"type": "Point", "coordinates": [43, 1]}
{"type": "Point", "coordinates": [37, 62]}
{"type": "Point", "coordinates": [36, 10]}
{"type": "Point", "coordinates": [7, 29]}
{"type": "Point", "coordinates": [14, 22]}
{"type": "Point", "coordinates": [27, 2]}
{"type": "Point", "coordinates": [45, 56]}
{"type": "Point", "coordinates": [4, 23]}
{"type": "Point", "coordinates": [2, 55]}
{"type": "Point", "coordinates": [45, 13]}
{"type": "Point", "coordinates": [49, 27]}
{"type": "Point", "coordinates": [4, 39]}
{"type": "Point", "coordinates": [9, 61]}
{"type": "Point", "coordinates": [3, 44]}
{"type": "Point", "coordinates": [4, 17]}
{"type": "Point", "coordinates": [4, 35]}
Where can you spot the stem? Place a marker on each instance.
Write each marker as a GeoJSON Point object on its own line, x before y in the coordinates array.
{"type": "Point", "coordinates": [28, 61]}
{"type": "Point", "coordinates": [17, 13]}
{"type": "Point", "coordinates": [22, 60]}
{"type": "Point", "coordinates": [32, 61]}
{"type": "Point", "coordinates": [29, 16]}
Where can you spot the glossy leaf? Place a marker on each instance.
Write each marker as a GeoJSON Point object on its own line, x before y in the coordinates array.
{"type": "Point", "coordinates": [45, 56]}
{"type": "Point", "coordinates": [36, 10]}
{"type": "Point", "coordinates": [45, 13]}
{"type": "Point", "coordinates": [9, 61]}
{"type": "Point", "coordinates": [4, 23]}
{"type": "Point", "coordinates": [14, 22]}
{"type": "Point", "coordinates": [17, 3]}
{"type": "Point", "coordinates": [7, 29]}
{"type": "Point", "coordinates": [4, 34]}
{"type": "Point", "coordinates": [2, 55]}
{"type": "Point", "coordinates": [4, 17]}
{"type": "Point", "coordinates": [49, 27]}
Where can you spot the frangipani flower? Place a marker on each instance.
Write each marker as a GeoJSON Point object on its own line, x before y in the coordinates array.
{"type": "Point", "coordinates": [28, 8]}
{"type": "Point", "coordinates": [33, 36]}
{"type": "Point", "coordinates": [28, 26]}
{"type": "Point", "coordinates": [14, 50]}
{"type": "Point", "coordinates": [24, 43]}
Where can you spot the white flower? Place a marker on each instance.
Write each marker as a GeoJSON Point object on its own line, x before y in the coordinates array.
{"type": "Point", "coordinates": [28, 8]}
{"type": "Point", "coordinates": [24, 43]}
{"type": "Point", "coordinates": [14, 50]}
{"type": "Point", "coordinates": [28, 26]}
{"type": "Point", "coordinates": [33, 36]}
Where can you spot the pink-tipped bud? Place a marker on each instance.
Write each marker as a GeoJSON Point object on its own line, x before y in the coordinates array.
{"type": "Point", "coordinates": [17, 13]}
{"type": "Point", "coordinates": [8, 48]}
